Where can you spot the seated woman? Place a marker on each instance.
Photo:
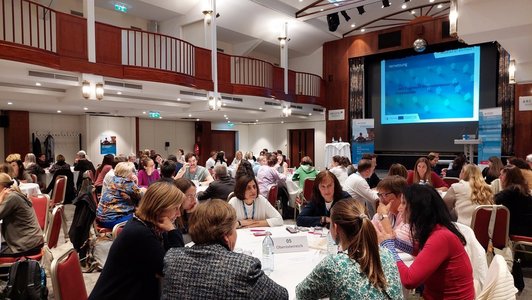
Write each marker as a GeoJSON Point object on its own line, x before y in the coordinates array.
{"type": "Point", "coordinates": [188, 188]}
{"type": "Point", "coordinates": [517, 198]}
{"type": "Point", "coordinates": [18, 168]}
{"type": "Point", "coordinates": [464, 196]}
{"type": "Point", "coordinates": [267, 176]}
{"type": "Point", "coordinates": [442, 263]}
{"type": "Point", "coordinates": [192, 171]}
{"type": "Point", "coordinates": [305, 171]}
{"type": "Point", "coordinates": [135, 261]}
{"type": "Point", "coordinates": [20, 230]}
{"type": "Point", "coordinates": [106, 166]}
{"type": "Point", "coordinates": [362, 270]}
{"type": "Point", "coordinates": [148, 174]}
{"type": "Point", "coordinates": [282, 165]}
{"type": "Point", "coordinates": [252, 209]}
{"type": "Point", "coordinates": [458, 163]}
{"type": "Point", "coordinates": [31, 166]}
{"type": "Point", "coordinates": [493, 170]}
{"type": "Point", "coordinates": [119, 200]}
{"type": "Point", "coordinates": [59, 164]}
{"type": "Point", "coordinates": [210, 269]}
{"type": "Point", "coordinates": [423, 175]}
{"type": "Point", "coordinates": [236, 161]}
{"type": "Point", "coordinates": [390, 212]}
{"type": "Point", "coordinates": [398, 169]}
{"type": "Point", "coordinates": [326, 192]}
{"type": "Point", "coordinates": [339, 168]}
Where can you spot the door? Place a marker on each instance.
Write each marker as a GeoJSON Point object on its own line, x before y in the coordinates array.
{"type": "Point", "coordinates": [222, 140]}
{"type": "Point", "coordinates": [301, 144]}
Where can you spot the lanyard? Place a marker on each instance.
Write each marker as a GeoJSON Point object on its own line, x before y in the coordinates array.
{"type": "Point", "coordinates": [246, 211]}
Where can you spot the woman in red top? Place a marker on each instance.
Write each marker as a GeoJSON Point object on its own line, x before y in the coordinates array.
{"type": "Point", "coordinates": [422, 174]}
{"type": "Point", "coordinates": [441, 264]}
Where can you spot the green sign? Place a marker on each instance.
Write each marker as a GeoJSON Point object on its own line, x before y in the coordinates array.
{"type": "Point", "coordinates": [154, 114]}
{"type": "Point", "coordinates": [121, 7]}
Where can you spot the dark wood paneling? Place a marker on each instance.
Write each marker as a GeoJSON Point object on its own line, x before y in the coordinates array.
{"type": "Point", "coordinates": [137, 135]}
{"type": "Point", "coordinates": [278, 82]}
{"type": "Point", "coordinates": [108, 44]}
{"type": "Point", "coordinates": [17, 134]}
{"type": "Point", "coordinates": [203, 137]}
{"type": "Point", "coordinates": [300, 144]}
{"type": "Point", "coordinates": [222, 140]}
{"type": "Point", "coordinates": [251, 90]}
{"type": "Point", "coordinates": [28, 55]}
{"type": "Point", "coordinates": [336, 56]}
{"type": "Point", "coordinates": [71, 32]}
{"type": "Point", "coordinates": [523, 123]}
{"type": "Point", "coordinates": [203, 63]}
{"type": "Point", "coordinates": [291, 82]}
{"type": "Point", "coordinates": [224, 68]}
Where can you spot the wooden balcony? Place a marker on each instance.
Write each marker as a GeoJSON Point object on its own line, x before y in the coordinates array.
{"type": "Point", "coordinates": [32, 33]}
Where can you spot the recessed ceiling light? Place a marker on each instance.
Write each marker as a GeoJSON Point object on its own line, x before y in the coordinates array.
{"type": "Point", "coordinates": [9, 103]}
{"type": "Point", "coordinates": [119, 93]}
{"type": "Point", "coordinates": [440, 6]}
{"type": "Point", "coordinates": [58, 111]}
{"type": "Point", "coordinates": [403, 6]}
{"type": "Point", "coordinates": [363, 29]}
{"type": "Point", "coordinates": [353, 25]}
{"type": "Point", "coordinates": [189, 115]}
{"type": "Point", "coordinates": [160, 117]}
{"type": "Point", "coordinates": [38, 84]}
{"type": "Point", "coordinates": [431, 1]}
{"type": "Point", "coordinates": [321, 9]}
{"type": "Point", "coordinates": [260, 108]}
{"type": "Point", "coordinates": [310, 114]}
{"type": "Point", "coordinates": [256, 120]}
{"type": "Point", "coordinates": [85, 108]}
{"type": "Point", "coordinates": [197, 120]}
{"type": "Point", "coordinates": [225, 116]}
{"type": "Point", "coordinates": [143, 112]}
{"type": "Point", "coordinates": [178, 99]}
{"type": "Point", "coordinates": [228, 122]}
{"type": "Point", "coordinates": [282, 122]}
{"type": "Point", "coordinates": [413, 12]}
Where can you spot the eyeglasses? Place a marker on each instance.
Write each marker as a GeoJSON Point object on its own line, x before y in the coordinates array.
{"type": "Point", "coordinates": [382, 195]}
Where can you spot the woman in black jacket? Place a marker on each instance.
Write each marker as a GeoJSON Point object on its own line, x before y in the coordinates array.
{"type": "Point", "coordinates": [325, 193]}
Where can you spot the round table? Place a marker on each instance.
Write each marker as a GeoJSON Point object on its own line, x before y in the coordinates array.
{"type": "Point", "coordinates": [30, 189]}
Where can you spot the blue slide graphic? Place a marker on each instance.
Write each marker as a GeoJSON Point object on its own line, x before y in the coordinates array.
{"type": "Point", "coordinates": [435, 87]}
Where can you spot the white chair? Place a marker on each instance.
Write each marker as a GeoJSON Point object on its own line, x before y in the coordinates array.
{"type": "Point", "coordinates": [499, 282]}
{"type": "Point", "coordinates": [477, 256]}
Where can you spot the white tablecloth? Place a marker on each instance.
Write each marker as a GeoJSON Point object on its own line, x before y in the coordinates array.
{"type": "Point", "coordinates": [49, 176]}
{"type": "Point", "coordinates": [332, 149]}
{"type": "Point", "coordinates": [30, 189]}
{"type": "Point", "coordinates": [289, 268]}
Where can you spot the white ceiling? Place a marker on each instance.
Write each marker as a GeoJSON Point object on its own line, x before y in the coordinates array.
{"type": "Point", "coordinates": [261, 20]}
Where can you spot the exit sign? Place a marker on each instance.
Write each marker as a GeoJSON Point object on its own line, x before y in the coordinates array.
{"type": "Point", "coordinates": [121, 7]}
{"type": "Point", "coordinates": [154, 114]}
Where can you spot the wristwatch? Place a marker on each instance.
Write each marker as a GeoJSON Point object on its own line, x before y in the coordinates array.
{"type": "Point", "coordinates": [381, 217]}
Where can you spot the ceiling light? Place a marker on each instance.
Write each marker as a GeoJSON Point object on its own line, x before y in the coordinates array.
{"type": "Point", "coordinates": [9, 103]}
{"type": "Point", "coordinates": [143, 112]}
{"type": "Point", "coordinates": [310, 114]}
{"type": "Point", "coordinates": [178, 99]}
{"type": "Point", "coordinates": [413, 12]}
{"type": "Point", "coordinates": [403, 6]}
{"type": "Point", "coordinates": [282, 122]}
{"type": "Point", "coordinates": [361, 10]}
{"type": "Point", "coordinates": [511, 71]}
{"type": "Point", "coordinates": [119, 93]}
{"type": "Point", "coordinates": [431, 1]}
{"type": "Point", "coordinates": [385, 3]}
{"type": "Point", "coordinates": [363, 29]}
{"type": "Point", "coordinates": [353, 25]}
{"type": "Point", "coordinates": [197, 120]}
{"type": "Point", "coordinates": [190, 115]}
{"type": "Point", "coordinates": [86, 89]}
{"type": "Point", "coordinates": [228, 122]}
{"type": "Point", "coordinates": [58, 111]}
{"type": "Point", "coordinates": [99, 91]}
{"type": "Point", "coordinates": [440, 5]}
{"type": "Point", "coordinates": [38, 84]}
{"type": "Point", "coordinates": [260, 108]}
{"type": "Point", "coordinates": [256, 120]}
{"type": "Point", "coordinates": [160, 117]}
{"type": "Point", "coordinates": [85, 108]}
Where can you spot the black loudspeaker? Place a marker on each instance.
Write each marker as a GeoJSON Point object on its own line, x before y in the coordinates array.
{"type": "Point", "coordinates": [167, 144]}
{"type": "Point", "coordinates": [333, 20]}
{"type": "Point", "coordinates": [4, 121]}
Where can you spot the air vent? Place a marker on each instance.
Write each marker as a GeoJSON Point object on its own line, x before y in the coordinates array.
{"type": "Point", "coordinates": [76, 13]}
{"type": "Point", "coordinates": [318, 109]}
{"type": "Point", "coordinates": [248, 122]}
{"type": "Point", "coordinates": [193, 94]}
{"type": "Point", "coordinates": [296, 106]}
{"type": "Point", "coordinates": [97, 113]}
{"type": "Point", "coordinates": [53, 76]}
{"type": "Point", "coordinates": [232, 99]}
{"type": "Point", "coordinates": [189, 119]}
{"type": "Point", "coordinates": [390, 39]}
{"type": "Point", "coordinates": [244, 108]}
{"type": "Point", "coordinates": [123, 84]}
{"type": "Point", "coordinates": [272, 103]}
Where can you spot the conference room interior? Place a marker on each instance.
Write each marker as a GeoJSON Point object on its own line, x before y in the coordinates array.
{"type": "Point", "coordinates": [152, 105]}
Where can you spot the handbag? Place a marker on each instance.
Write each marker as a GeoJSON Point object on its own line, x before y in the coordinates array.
{"type": "Point", "coordinates": [517, 273]}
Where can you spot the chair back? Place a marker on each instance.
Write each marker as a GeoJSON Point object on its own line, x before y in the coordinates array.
{"type": "Point", "coordinates": [451, 180]}
{"type": "Point", "coordinates": [272, 195]}
{"type": "Point", "coordinates": [34, 178]}
{"type": "Point", "coordinates": [58, 194]}
{"type": "Point", "coordinates": [52, 236]}
{"type": "Point", "coordinates": [481, 223]}
{"type": "Point", "coordinates": [308, 185]}
{"type": "Point", "coordinates": [67, 279]}
{"type": "Point", "coordinates": [117, 229]}
{"type": "Point", "coordinates": [231, 195]}
{"type": "Point", "coordinates": [40, 204]}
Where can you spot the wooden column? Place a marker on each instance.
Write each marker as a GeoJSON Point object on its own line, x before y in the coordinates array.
{"type": "Point", "coordinates": [522, 123]}
{"type": "Point", "coordinates": [203, 139]}
{"type": "Point", "coordinates": [17, 134]}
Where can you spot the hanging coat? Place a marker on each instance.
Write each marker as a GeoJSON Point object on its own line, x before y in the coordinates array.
{"type": "Point", "coordinates": [49, 148]}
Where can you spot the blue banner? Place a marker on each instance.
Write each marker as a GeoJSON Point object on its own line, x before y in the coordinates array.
{"type": "Point", "coordinates": [363, 139]}
{"type": "Point", "coordinates": [489, 132]}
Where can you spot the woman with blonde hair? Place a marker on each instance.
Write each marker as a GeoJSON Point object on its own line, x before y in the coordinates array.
{"type": "Point", "coordinates": [20, 231]}
{"type": "Point", "coordinates": [464, 196]}
{"type": "Point", "coordinates": [135, 263]}
{"type": "Point", "coordinates": [361, 270]}
{"type": "Point", "coordinates": [21, 175]}
{"type": "Point", "coordinates": [210, 269]}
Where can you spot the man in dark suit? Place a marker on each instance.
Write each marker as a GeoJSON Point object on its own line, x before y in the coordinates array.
{"type": "Point", "coordinates": [82, 164]}
{"type": "Point", "coordinates": [221, 187]}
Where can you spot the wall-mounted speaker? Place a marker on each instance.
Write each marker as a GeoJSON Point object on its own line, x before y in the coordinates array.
{"type": "Point", "coordinates": [4, 121]}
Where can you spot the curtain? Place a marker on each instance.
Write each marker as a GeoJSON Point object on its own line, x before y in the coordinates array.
{"type": "Point", "coordinates": [356, 88]}
{"type": "Point", "coordinates": [505, 99]}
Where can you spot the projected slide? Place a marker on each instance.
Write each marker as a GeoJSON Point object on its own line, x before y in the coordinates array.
{"type": "Point", "coordinates": [435, 87]}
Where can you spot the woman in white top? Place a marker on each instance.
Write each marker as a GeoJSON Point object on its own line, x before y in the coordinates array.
{"type": "Point", "coordinates": [338, 169]}
{"type": "Point", "coordinates": [252, 209]}
{"type": "Point", "coordinates": [470, 192]}
{"type": "Point", "coordinates": [237, 159]}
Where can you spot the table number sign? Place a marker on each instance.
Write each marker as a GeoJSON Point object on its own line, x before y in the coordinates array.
{"type": "Point", "coordinates": [287, 244]}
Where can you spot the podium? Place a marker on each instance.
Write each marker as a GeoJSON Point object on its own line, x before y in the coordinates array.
{"type": "Point", "coordinates": [339, 148]}
{"type": "Point", "coordinates": [469, 147]}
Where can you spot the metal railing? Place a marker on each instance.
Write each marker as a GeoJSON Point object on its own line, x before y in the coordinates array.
{"type": "Point", "coordinates": [157, 51]}
{"type": "Point", "coordinates": [28, 23]}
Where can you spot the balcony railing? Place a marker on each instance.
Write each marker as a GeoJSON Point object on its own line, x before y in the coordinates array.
{"type": "Point", "coordinates": [28, 23]}
{"type": "Point", "coordinates": [58, 40]}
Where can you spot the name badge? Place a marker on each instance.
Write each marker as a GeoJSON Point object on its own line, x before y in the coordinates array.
{"type": "Point", "coordinates": [287, 244]}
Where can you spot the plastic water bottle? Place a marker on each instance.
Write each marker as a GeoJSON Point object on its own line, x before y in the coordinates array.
{"type": "Point", "coordinates": [267, 254]}
{"type": "Point", "coordinates": [332, 248]}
